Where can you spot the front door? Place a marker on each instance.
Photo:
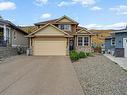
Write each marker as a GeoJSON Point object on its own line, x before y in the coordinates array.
{"type": "Point", "coordinates": [71, 44]}
{"type": "Point", "coordinates": [125, 46]}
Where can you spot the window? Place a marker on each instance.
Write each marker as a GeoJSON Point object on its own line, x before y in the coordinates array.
{"type": "Point", "coordinates": [65, 27]}
{"type": "Point", "coordinates": [86, 41]}
{"type": "Point", "coordinates": [80, 41]}
{"type": "Point", "coordinates": [83, 41]}
{"type": "Point", "coordinates": [113, 42]}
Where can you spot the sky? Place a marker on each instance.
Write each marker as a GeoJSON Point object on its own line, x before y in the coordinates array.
{"type": "Point", "coordinates": [92, 14]}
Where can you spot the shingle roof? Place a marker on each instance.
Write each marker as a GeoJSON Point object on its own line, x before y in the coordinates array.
{"type": "Point", "coordinates": [9, 23]}
{"type": "Point", "coordinates": [54, 21]}
{"type": "Point", "coordinates": [29, 29]}
{"type": "Point", "coordinates": [48, 21]}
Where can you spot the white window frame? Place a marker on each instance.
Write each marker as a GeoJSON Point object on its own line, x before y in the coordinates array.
{"type": "Point", "coordinates": [114, 42]}
{"type": "Point", "coordinates": [78, 41]}
{"type": "Point", "coordinates": [83, 40]}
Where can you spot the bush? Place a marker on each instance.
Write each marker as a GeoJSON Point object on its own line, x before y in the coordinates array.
{"type": "Point", "coordinates": [87, 54]}
{"type": "Point", "coordinates": [74, 55]}
{"type": "Point", "coordinates": [82, 54]}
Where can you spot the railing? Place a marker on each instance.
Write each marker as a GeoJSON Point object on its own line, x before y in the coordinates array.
{"type": "Point", "coordinates": [3, 43]}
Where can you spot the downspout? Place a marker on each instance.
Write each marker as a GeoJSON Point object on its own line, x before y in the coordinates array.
{"type": "Point", "coordinates": [68, 46]}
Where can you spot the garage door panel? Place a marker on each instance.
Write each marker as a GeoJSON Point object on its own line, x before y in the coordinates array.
{"type": "Point", "coordinates": [50, 47]}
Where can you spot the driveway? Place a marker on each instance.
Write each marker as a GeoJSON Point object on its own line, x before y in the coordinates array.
{"type": "Point", "coordinates": [100, 76]}
{"type": "Point", "coordinates": [23, 75]}
{"type": "Point", "coordinates": [122, 61]}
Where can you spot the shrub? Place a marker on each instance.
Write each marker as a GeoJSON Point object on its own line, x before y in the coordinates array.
{"type": "Point", "coordinates": [87, 53]}
{"type": "Point", "coordinates": [82, 54]}
{"type": "Point", "coordinates": [74, 55]}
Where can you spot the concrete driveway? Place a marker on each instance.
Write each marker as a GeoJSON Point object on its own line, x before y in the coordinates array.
{"type": "Point", "coordinates": [122, 61]}
{"type": "Point", "coordinates": [22, 75]}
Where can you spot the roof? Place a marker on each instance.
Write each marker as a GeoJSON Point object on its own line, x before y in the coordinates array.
{"type": "Point", "coordinates": [48, 21]}
{"type": "Point", "coordinates": [54, 21]}
{"type": "Point", "coordinates": [29, 29]}
{"type": "Point", "coordinates": [120, 31]}
{"type": "Point", "coordinates": [79, 29]}
{"type": "Point", "coordinates": [49, 24]}
{"type": "Point", "coordinates": [109, 37]}
{"type": "Point", "coordinates": [9, 23]}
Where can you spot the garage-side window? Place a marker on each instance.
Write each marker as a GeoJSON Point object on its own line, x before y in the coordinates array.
{"type": "Point", "coordinates": [86, 41]}
{"type": "Point", "coordinates": [83, 41]}
{"type": "Point", "coordinates": [80, 41]}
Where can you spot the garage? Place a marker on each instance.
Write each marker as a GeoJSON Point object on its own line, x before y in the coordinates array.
{"type": "Point", "coordinates": [49, 40]}
{"type": "Point", "coordinates": [49, 46]}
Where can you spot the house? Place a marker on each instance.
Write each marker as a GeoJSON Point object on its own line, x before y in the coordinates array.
{"type": "Point", "coordinates": [120, 42]}
{"type": "Point", "coordinates": [117, 43]}
{"type": "Point", "coordinates": [110, 45]}
{"type": "Point", "coordinates": [11, 35]}
{"type": "Point", "coordinates": [59, 36]}
{"type": "Point", "coordinates": [99, 38]}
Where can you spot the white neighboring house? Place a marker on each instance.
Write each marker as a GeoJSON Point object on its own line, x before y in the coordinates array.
{"type": "Point", "coordinates": [11, 35]}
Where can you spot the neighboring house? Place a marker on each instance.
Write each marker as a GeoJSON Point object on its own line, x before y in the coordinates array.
{"type": "Point", "coordinates": [110, 45]}
{"type": "Point", "coordinates": [11, 35]}
{"type": "Point", "coordinates": [99, 38]}
{"type": "Point", "coordinates": [59, 36]}
{"type": "Point", "coordinates": [119, 42]}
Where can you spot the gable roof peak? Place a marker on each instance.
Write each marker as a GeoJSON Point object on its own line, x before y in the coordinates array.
{"type": "Point", "coordinates": [67, 17]}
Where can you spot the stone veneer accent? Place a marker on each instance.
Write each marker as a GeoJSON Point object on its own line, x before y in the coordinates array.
{"type": "Point", "coordinates": [84, 48]}
{"type": "Point", "coordinates": [7, 52]}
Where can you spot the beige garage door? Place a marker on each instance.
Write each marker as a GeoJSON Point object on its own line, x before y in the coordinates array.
{"type": "Point", "coordinates": [49, 46]}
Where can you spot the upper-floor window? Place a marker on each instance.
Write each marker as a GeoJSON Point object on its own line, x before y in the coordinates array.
{"type": "Point", "coordinates": [65, 27]}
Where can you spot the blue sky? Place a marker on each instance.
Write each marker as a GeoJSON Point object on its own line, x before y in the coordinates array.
{"type": "Point", "coordinates": [99, 14]}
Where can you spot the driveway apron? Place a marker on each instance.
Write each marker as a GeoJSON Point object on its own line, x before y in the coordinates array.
{"type": "Point", "coordinates": [44, 75]}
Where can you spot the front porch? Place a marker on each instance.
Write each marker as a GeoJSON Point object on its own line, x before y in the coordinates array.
{"type": "Point", "coordinates": [4, 36]}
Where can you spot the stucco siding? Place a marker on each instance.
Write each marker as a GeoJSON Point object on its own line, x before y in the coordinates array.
{"type": "Point", "coordinates": [64, 20]}
{"type": "Point", "coordinates": [48, 31]}
{"type": "Point", "coordinates": [119, 39]}
{"type": "Point", "coordinates": [18, 39]}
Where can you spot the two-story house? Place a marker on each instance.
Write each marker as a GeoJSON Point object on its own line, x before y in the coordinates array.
{"type": "Point", "coordinates": [59, 36]}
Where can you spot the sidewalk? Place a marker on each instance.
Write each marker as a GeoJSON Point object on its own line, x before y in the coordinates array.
{"type": "Point", "coordinates": [122, 61]}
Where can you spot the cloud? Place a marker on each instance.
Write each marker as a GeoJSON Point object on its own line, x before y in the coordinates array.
{"type": "Point", "coordinates": [84, 2]}
{"type": "Point", "coordinates": [120, 10]}
{"type": "Point", "coordinates": [73, 2]}
{"type": "Point", "coordinates": [120, 25]}
{"type": "Point", "coordinates": [96, 8]}
{"type": "Point", "coordinates": [45, 15]}
{"type": "Point", "coordinates": [41, 2]}
{"type": "Point", "coordinates": [63, 3]}
{"type": "Point", "coordinates": [7, 6]}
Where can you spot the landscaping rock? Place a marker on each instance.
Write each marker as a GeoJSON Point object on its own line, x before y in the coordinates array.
{"type": "Point", "coordinates": [100, 76]}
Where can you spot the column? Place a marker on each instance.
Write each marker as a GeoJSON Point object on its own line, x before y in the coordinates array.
{"type": "Point", "coordinates": [5, 32]}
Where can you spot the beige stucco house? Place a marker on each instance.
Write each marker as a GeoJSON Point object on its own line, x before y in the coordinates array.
{"type": "Point", "coordinates": [59, 36]}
